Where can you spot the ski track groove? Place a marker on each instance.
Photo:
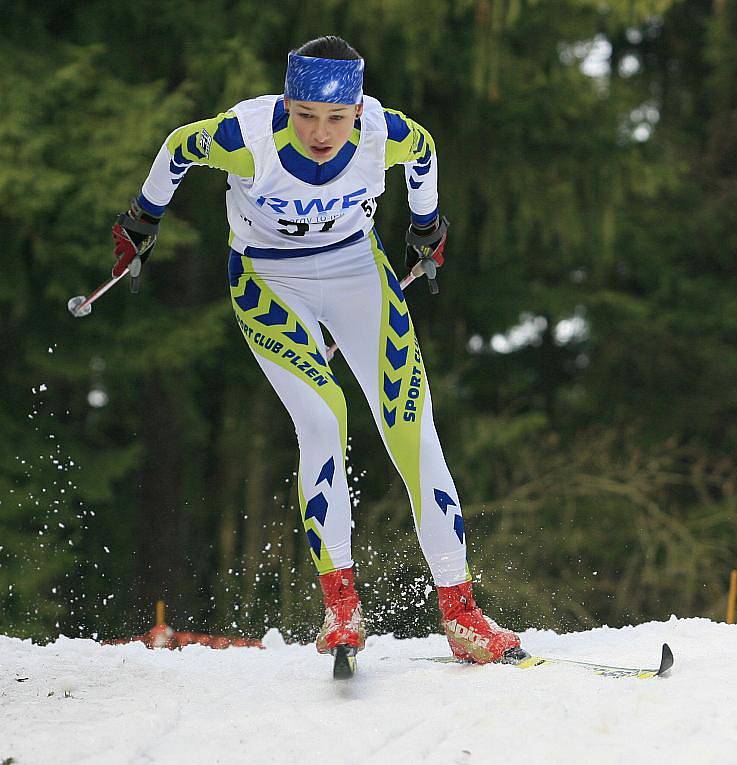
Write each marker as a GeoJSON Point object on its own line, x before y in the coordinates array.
{"type": "Point", "coordinates": [393, 737]}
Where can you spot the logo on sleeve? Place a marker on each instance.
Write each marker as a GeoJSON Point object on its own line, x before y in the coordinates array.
{"type": "Point", "coordinates": [205, 141]}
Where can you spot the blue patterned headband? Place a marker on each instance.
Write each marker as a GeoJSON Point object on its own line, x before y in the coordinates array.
{"type": "Point", "coordinates": [336, 81]}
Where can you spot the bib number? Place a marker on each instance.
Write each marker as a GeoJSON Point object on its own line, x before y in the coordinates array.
{"type": "Point", "coordinates": [369, 207]}
{"type": "Point", "coordinates": [300, 228]}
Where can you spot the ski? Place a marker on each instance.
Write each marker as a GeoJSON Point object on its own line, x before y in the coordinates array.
{"type": "Point", "coordinates": [606, 670]}
{"type": "Point", "coordinates": [344, 665]}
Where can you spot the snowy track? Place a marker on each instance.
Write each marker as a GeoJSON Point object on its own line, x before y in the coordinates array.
{"type": "Point", "coordinates": [127, 704]}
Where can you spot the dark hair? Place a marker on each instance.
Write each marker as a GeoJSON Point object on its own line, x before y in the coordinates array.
{"type": "Point", "coordinates": [328, 46]}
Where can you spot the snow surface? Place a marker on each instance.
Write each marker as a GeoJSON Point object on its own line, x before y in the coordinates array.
{"type": "Point", "coordinates": [75, 701]}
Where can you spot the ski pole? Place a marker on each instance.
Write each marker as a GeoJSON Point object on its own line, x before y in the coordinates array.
{"type": "Point", "coordinates": [415, 273]}
{"type": "Point", "coordinates": [82, 306]}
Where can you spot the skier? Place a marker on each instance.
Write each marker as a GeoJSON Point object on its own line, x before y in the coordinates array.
{"type": "Point", "coordinates": [304, 171]}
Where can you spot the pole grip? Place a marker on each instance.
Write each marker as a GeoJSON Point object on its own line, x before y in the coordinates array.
{"type": "Point", "coordinates": [160, 613]}
{"type": "Point", "coordinates": [732, 597]}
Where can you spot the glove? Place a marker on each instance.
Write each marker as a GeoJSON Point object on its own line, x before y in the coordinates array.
{"type": "Point", "coordinates": [134, 234]}
{"type": "Point", "coordinates": [425, 249]}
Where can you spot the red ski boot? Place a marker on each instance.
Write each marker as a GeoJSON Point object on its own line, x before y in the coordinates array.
{"type": "Point", "coordinates": [471, 635]}
{"type": "Point", "coordinates": [343, 623]}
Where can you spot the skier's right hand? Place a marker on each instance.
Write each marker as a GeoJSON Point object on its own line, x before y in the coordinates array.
{"type": "Point", "coordinates": [134, 234]}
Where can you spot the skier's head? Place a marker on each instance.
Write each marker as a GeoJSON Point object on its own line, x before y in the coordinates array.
{"type": "Point", "coordinates": [323, 93]}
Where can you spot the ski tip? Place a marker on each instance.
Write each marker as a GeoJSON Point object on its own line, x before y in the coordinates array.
{"type": "Point", "coordinates": [344, 666]}
{"type": "Point", "coordinates": [666, 660]}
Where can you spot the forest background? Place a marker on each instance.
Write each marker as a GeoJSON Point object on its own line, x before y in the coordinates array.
{"type": "Point", "coordinates": [581, 350]}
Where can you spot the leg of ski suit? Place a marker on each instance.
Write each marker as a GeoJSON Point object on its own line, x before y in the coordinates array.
{"type": "Point", "coordinates": [353, 292]}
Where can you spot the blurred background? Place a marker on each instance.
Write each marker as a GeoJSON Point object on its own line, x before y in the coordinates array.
{"type": "Point", "coordinates": [581, 351]}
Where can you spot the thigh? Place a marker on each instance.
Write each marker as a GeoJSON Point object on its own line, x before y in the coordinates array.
{"type": "Point", "coordinates": [363, 306]}
{"type": "Point", "coordinates": [276, 313]}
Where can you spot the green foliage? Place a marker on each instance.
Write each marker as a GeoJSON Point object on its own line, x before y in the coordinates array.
{"type": "Point", "coordinates": [596, 471]}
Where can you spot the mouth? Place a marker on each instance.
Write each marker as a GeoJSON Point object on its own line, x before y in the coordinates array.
{"type": "Point", "coordinates": [321, 151]}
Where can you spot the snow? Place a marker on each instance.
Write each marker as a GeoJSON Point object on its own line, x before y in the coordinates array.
{"type": "Point", "coordinates": [75, 701]}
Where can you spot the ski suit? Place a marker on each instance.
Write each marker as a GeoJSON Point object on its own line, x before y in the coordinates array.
{"type": "Point", "coordinates": [304, 252]}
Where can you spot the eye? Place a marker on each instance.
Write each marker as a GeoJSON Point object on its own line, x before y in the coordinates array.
{"type": "Point", "coordinates": [337, 117]}
{"type": "Point", "coordinates": [305, 115]}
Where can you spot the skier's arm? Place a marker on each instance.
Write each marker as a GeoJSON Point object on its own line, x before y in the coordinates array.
{"type": "Point", "coordinates": [410, 144]}
{"type": "Point", "coordinates": [215, 142]}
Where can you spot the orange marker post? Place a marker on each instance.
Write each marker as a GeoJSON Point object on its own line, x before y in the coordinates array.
{"type": "Point", "coordinates": [160, 608]}
{"type": "Point", "coordinates": [732, 597]}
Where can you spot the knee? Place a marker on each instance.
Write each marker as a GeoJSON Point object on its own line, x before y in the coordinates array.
{"type": "Point", "coordinates": [320, 425]}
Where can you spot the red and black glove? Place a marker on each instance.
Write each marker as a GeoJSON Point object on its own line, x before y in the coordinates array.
{"type": "Point", "coordinates": [426, 248]}
{"type": "Point", "coordinates": [134, 234]}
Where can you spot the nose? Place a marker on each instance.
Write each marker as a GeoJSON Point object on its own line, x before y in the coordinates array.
{"type": "Point", "coordinates": [322, 133]}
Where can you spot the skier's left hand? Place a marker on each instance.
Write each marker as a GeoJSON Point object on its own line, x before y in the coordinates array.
{"type": "Point", "coordinates": [425, 249]}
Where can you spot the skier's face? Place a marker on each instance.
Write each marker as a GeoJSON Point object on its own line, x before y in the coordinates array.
{"type": "Point", "coordinates": [323, 129]}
